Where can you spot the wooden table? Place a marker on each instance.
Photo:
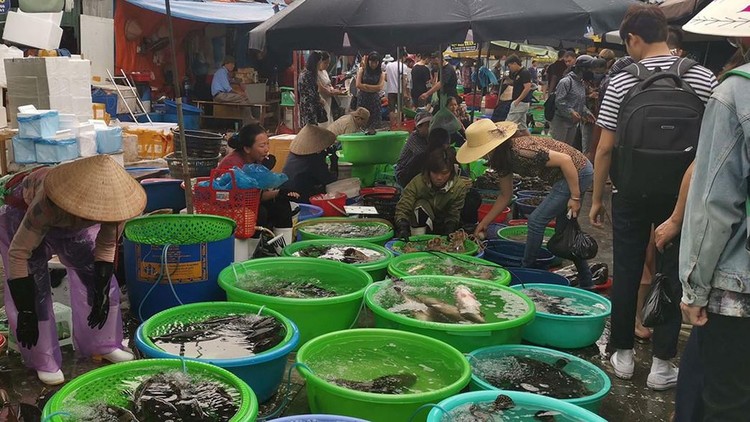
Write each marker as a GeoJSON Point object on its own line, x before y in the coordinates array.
{"type": "Point", "coordinates": [6, 134]}
{"type": "Point", "coordinates": [269, 111]}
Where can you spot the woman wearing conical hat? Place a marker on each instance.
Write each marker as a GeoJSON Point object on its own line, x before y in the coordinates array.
{"type": "Point", "coordinates": [76, 211]}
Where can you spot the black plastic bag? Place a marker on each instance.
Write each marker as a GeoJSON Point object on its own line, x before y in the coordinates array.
{"type": "Point", "coordinates": [599, 273]}
{"type": "Point", "coordinates": [573, 243]}
{"type": "Point", "coordinates": [659, 306]}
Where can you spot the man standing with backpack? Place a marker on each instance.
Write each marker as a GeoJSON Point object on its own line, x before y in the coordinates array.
{"type": "Point", "coordinates": [650, 118]}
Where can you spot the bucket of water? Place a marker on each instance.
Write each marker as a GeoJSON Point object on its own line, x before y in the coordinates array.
{"type": "Point", "coordinates": [332, 204]}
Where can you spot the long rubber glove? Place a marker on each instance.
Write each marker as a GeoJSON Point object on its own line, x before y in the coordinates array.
{"type": "Point", "coordinates": [23, 292]}
{"type": "Point", "coordinates": [100, 291]}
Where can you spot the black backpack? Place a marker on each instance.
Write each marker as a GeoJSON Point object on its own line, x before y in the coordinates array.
{"type": "Point", "coordinates": [549, 105]}
{"type": "Point", "coordinates": [657, 131]}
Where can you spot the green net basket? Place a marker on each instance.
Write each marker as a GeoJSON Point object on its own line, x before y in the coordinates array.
{"type": "Point", "coordinates": [105, 385]}
{"type": "Point", "coordinates": [178, 229]}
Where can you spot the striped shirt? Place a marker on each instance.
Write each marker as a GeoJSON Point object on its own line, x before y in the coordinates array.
{"type": "Point", "coordinates": [698, 77]}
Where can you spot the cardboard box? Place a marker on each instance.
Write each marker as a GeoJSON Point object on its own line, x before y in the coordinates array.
{"type": "Point", "coordinates": [58, 83]}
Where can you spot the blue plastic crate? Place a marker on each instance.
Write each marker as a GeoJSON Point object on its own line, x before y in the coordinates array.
{"type": "Point", "coordinates": [109, 101]}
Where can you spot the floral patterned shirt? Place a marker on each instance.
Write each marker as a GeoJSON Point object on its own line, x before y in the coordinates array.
{"type": "Point", "coordinates": [530, 154]}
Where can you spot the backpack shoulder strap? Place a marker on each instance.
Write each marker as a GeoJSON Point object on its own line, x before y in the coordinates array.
{"type": "Point", "coordinates": [681, 66]}
{"type": "Point", "coordinates": [736, 72]}
{"type": "Point", "coordinates": [638, 70]}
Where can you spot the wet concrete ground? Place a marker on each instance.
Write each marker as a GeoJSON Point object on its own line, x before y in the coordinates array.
{"type": "Point", "coordinates": [627, 401]}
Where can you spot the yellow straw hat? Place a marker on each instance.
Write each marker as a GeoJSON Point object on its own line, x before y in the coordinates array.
{"type": "Point", "coordinates": [482, 137]}
{"type": "Point", "coordinates": [311, 140]}
{"type": "Point", "coordinates": [96, 189]}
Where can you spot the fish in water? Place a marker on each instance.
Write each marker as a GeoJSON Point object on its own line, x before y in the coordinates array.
{"type": "Point", "coordinates": [520, 373]}
{"type": "Point", "coordinates": [255, 333]}
{"type": "Point", "coordinates": [387, 384]}
{"type": "Point", "coordinates": [552, 304]}
{"type": "Point", "coordinates": [468, 305]}
{"type": "Point", "coordinates": [294, 290]}
{"type": "Point", "coordinates": [486, 413]}
{"type": "Point", "coordinates": [169, 397]}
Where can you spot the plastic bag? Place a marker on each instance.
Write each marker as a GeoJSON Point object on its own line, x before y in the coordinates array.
{"type": "Point", "coordinates": [573, 243]}
{"type": "Point", "coordinates": [266, 179]}
{"type": "Point", "coordinates": [659, 306]}
{"type": "Point", "coordinates": [445, 119]}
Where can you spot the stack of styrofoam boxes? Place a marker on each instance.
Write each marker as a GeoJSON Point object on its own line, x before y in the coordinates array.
{"type": "Point", "coordinates": [38, 30]}
{"type": "Point", "coordinates": [109, 140]}
{"type": "Point", "coordinates": [58, 83]}
{"type": "Point", "coordinates": [38, 140]}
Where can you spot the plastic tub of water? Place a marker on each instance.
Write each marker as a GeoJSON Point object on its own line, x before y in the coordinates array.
{"type": "Point", "coordinates": [430, 305]}
{"type": "Point", "coordinates": [510, 254]}
{"type": "Point", "coordinates": [317, 418]}
{"type": "Point", "coordinates": [532, 193]}
{"type": "Point", "coordinates": [513, 367]}
{"type": "Point", "coordinates": [373, 259]}
{"type": "Point", "coordinates": [319, 296]}
{"type": "Point", "coordinates": [175, 258]}
{"type": "Point", "coordinates": [520, 234]}
{"type": "Point", "coordinates": [342, 368]}
{"type": "Point", "coordinates": [263, 371]}
{"type": "Point", "coordinates": [372, 230]}
{"type": "Point", "coordinates": [419, 244]}
{"type": "Point", "coordinates": [576, 322]}
{"type": "Point", "coordinates": [526, 405]}
{"type": "Point", "coordinates": [485, 209]}
{"type": "Point", "coordinates": [113, 385]}
{"type": "Point", "coordinates": [332, 204]}
{"type": "Point", "coordinates": [530, 275]}
{"type": "Point", "coordinates": [382, 147]}
{"type": "Point", "coordinates": [432, 263]}
{"type": "Point", "coordinates": [308, 212]}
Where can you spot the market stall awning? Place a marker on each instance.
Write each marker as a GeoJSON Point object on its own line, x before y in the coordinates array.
{"type": "Point", "coordinates": [211, 11]}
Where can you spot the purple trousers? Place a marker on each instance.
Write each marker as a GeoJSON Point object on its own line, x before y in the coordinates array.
{"type": "Point", "coordinates": [75, 248]}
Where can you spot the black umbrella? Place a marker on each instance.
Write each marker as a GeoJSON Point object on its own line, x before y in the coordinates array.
{"type": "Point", "coordinates": [309, 24]}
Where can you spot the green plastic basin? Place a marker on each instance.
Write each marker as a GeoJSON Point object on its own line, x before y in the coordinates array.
{"type": "Point", "coordinates": [401, 265]}
{"type": "Point", "coordinates": [106, 384]}
{"type": "Point", "coordinates": [470, 247]}
{"type": "Point", "coordinates": [512, 233]}
{"type": "Point", "coordinates": [380, 148]}
{"type": "Point", "coordinates": [596, 380]}
{"type": "Point", "coordinates": [306, 234]}
{"type": "Point", "coordinates": [565, 411]}
{"type": "Point", "coordinates": [313, 316]}
{"type": "Point", "coordinates": [566, 331]}
{"type": "Point", "coordinates": [464, 337]}
{"type": "Point", "coordinates": [365, 354]}
{"type": "Point", "coordinates": [377, 269]}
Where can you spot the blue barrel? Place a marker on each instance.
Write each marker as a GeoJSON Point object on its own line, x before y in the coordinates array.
{"type": "Point", "coordinates": [173, 259]}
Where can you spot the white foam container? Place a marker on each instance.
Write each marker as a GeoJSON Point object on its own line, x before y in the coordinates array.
{"type": "Point", "coordinates": [350, 187]}
{"type": "Point", "coordinates": [27, 29]}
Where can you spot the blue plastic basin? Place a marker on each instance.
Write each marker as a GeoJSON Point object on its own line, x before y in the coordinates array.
{"type": "Point", "coordinates": [595, 379]}
{"type": "Point", "coordinates": [571, 411]}
{"type": "Point", "coordinates": [317, 418]}
{"type": "Point", "coordinates": [566, 331]}
{"type": "Point", "coordinates": [510, 254]}
{"type": "Point", "coordinates": [262, 372]}
{"type": "Point", "coordinates": [307, 212]}
{"type": "Point", "coordinates": [530, 275]}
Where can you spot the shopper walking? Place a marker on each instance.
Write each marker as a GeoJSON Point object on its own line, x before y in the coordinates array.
{"type": "Point", "coordinates": [521, 98]}
{"type": "Point", "coordinates": [571, 111]}
{"type": "Point", "coordinates": [370, 81]}
{"type": "Point", "coordinates": [395, 84]}
{"type": "Point", "coordinates": [648, 184]}
{"type": "Point", "coordinates": [327, 91]}
{"type": "Point", "coordinates": [447, 84]}
{"type": "Point", "coordinates": [311, 105]}
{"type": "Point", "coordinates": [556, 71]}
{"type": "Point", "coordinates": [420, 77]}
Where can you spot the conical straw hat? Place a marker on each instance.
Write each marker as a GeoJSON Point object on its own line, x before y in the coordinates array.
{"type": "Point", "coordinates": [723, 18]}
{"type": "Point", "coordinates": [311, 140]}
{"type": "Point", "coordinates": [96, 189]}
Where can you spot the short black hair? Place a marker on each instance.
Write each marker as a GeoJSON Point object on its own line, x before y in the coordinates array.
{"type": "Point", "coordinates": [441, 159]}
{"type": "Point", "coordinates": [674, 37]}
{"type": "Point", "coordinates": [513, 59]}
{"type": "Point", "coordinates": [560, 54]}
{"type": "Point", "coordinates": [648, 22]}
{"type": "Point", "coordinates": [246, 137]}
{"type": "Point", "coordinates": [570, 53]}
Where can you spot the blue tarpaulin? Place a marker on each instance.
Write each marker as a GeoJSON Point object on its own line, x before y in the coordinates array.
{"type": "Point", "coordinates": [211, 11]}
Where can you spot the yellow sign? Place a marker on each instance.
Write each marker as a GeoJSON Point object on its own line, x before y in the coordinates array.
{"type": "Point", "coordinates": [184, 264]}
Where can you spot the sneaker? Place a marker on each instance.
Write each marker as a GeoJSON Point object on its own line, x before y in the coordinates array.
{"type": "Point", "coordinates": [623, 363]}
{"type": "Point", "coordinates": [51, 378]}
{"type": "Point", "coordinates": [663, 375]}
{"type": "Point", "coordinates": [117, 356]}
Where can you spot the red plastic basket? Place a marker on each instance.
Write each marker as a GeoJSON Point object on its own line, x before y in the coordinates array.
{"type": "Point", "coordinates": [241, 205]}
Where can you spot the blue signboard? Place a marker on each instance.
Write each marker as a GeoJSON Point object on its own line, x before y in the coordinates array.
{"type": "Point", "coordinates": [4, 6]}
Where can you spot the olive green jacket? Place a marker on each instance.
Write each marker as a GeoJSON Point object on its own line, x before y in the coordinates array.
{"type": "Point", "coordinates": [446, 203]}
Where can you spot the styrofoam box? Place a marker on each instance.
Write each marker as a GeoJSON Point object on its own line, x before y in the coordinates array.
{"type": "Point", "coordinates": [50, 151]}
{"type": "Point", "coordinates": [24, 150]}
{"type": "Point", "coordinates": [25, 29]}
{"type": "Point", "coordinates": [109, 141]}
{"type": "Point", "coordinates": [38, 124]}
